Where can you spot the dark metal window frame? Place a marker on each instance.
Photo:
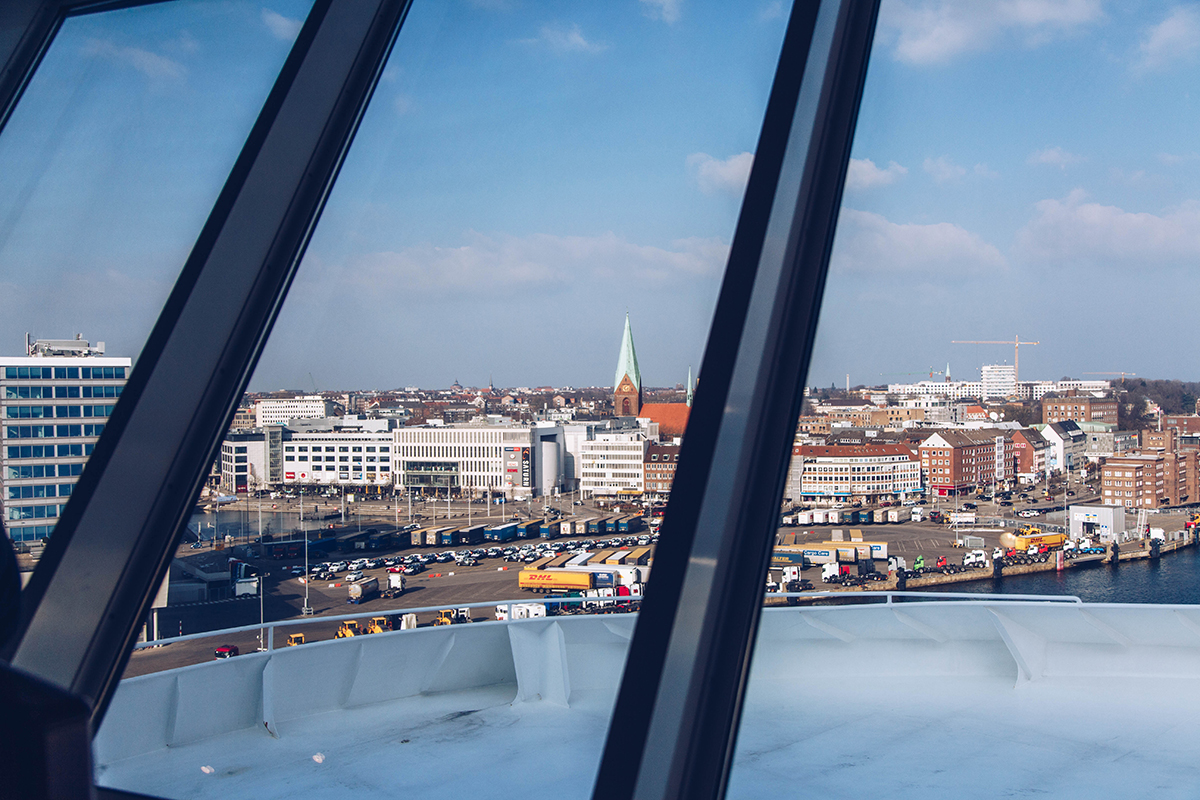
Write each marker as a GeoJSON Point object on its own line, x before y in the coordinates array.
{"type": "Point", "coordinates": [697, 625]}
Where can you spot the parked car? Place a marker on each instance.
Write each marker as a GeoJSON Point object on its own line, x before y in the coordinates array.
{"type": "Point", "coordinates": [225, 651]}
{"type": "Point", "coordinates": [356, 575]}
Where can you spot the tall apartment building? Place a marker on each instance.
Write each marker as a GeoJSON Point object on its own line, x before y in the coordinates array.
{"type": "Point", "coordinates": [1079, 409]}
{"type": "Point", "coordinates": [55, 402]}
{"type": "Point", "coordinates": [998, 380]}
{"type": "Point", "coordinates": [284, 410]}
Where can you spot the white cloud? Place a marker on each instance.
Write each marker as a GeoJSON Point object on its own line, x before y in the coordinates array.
{"type": "Point", "coordinates": [281, 27]}
{"type": "Point", "coordinates": [942, 169]}
{"type": "Point", "coordinates": [863, 174]}
{"type": "Point", "coordinates": [1175, 39]}
{"type": "Point", "coordinates": [1171, 159]}
{"type": "Point", "coordinates": [1073, 230]}
{"type": "Point", "coordinates": [1055, 157]}
{"type": "Point", "coordinates": [715, 175]}
{"type": "Point", "coordinates": [935, 31]}
{"type": "Point", "coordinates": [984, 171]}
{"type": "Point", "coordinates": [870, 243]}
{"type": "Point", "coordinates": [402, 103]}
{"type": "Point", "coordinates": [668, 11]}
{"type": "Point", "coordinates": [562, 39]}
{"type": "Point", "coordinates": [498, 262]}
{"type": "Point", "coordinates": [149, 64]}
{"type": "Point", "coordinates": [770, 11]}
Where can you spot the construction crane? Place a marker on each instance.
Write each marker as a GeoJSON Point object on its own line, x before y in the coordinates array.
{"type": "Point", "coordinates": [1016, 343]}
{"type": "Point", "coordinates": [931, 372]}
{"type": "Point", "coordinates": [1122, 374]}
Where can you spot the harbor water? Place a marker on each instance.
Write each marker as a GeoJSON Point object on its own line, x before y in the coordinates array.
{"type": "Point", "coordinates": [1172, 579]}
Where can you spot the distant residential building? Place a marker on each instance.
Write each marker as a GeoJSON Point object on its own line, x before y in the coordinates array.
{"type": "Point", "coordinates": [1134, 481]}
{"type": "Point", "coordinates": [282, 411]}
{"type": "Point", "coordinates": [659, 463]}
{"type": "Point", "coordinates": [55, 402]}
{"type": "Point", "coordinates": [868, 473]}
{"type": "Point", "coordinates": [1079, 409]}
{"type": "Point", "coordinates": [1030, 449]}
{"type": "Point", "coordinates": [956, 461]}
{"type": "Point", "coordinates": [1106, 444]}
{"type": "Point", "coordinates": [1184, 424]}
{"type": "Point", "coordinates": [1068, 445]}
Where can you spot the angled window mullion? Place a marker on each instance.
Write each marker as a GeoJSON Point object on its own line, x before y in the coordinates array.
{"type": "Point", "coordinates": [680, 697]}
{"type": "Point", "coordinates": [118, 532]}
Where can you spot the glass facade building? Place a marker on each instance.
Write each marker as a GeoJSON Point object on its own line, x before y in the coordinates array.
{"type": "Point", "coordinates": [54, 408]}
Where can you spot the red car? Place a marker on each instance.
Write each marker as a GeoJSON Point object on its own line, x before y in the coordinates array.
{"type": "Point", "coordinates": [225, 651]}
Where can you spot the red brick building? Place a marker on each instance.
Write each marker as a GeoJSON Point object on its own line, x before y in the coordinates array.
{"type": "Point", "coordinates": [1079, 409]}
{"type": "Point", "coordinates": [953, 462]}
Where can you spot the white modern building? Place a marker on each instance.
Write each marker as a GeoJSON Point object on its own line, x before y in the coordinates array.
{"type": "Point", "coordinates": [611, 464]}
{"type": "Point", "coordinates": [478, 459]}
{"type": "Point", "coordinates": [55, 402]}
{"type": "Point", "coordinates": [998, 380]}
{"type": "Point", "coordinates": [868, 473]}
{"type": "Point", "coordinates": [283, 411]}
{"type": "Point", "coordinates": [337, 451]}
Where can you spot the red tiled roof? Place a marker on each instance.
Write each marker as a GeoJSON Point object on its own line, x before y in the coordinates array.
{"type": "Point", "coordinates": [671, 417]}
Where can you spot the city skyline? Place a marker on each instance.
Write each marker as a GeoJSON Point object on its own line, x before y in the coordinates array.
{"type": "Point", "coordinates": [1015, 172]}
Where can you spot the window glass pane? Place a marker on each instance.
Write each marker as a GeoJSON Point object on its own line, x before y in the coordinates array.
{"type": "Point", "coordinates": [109, 167]}
{"type": "Point", "coordinates": [524, 178]}
{"type": "Point", "coordinates": [1016, 181]}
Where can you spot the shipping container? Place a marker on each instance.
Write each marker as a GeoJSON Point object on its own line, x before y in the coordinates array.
{"type": "Point", "coordinates": [595, 526]}
{"type": "Point", "coordinates": [417, 537]}
{"type": "Point", "coordinates": [833, 517]}
{"type": "Point", "coordinates": [617, 557]}
{"type": "Point", "coordinates": [433, 536]}
{"type": "Point", "coordinates": [879, 516]}
{"type": "Point", "coordinates": [893, 515]}
{"type": "Point", "coordinates": [447, 536]}
{"type": "Point", "coordinates": [559, 560]}
{"type": "Point", "coordinates": [600, 557]}
{"type": "Point", "coordinates": [804, 518]}
{"type": "Point", "coordinates": [819, 516]}
{"type": "Point", "coordinates": [529, 530]}
{"type": "Point", "coordinates": [632, 523]}
{"type": "Point", "coordinates": [379, 541]}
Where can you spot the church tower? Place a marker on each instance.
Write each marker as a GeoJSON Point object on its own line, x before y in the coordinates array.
{"type": "Point", "coordinates": [627, 386]}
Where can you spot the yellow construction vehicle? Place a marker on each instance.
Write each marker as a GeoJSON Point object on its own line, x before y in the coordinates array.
{"type": "Point", "coordinates": [452, 616]}
{"type": "Point", "coordinates": [348, 629]}
{"type": "Point", "coordinates": [295, 639]}
{"type": "Point", "coordinates": [379, 624]}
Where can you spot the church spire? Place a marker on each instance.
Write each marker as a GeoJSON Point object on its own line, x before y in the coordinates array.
{"type": "Point", "coordinates": [627, 360]}
{"type": "Point", "coordinates": [627, 386]}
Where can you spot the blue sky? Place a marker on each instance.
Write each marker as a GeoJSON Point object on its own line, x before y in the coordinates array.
{"type": "Point", "coordinates": [528, 172]}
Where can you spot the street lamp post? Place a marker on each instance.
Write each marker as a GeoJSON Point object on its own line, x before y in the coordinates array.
{"type": "Point", "coordinates": [260, 611]}
{"type": "Point", "coordinates": [307, 610]}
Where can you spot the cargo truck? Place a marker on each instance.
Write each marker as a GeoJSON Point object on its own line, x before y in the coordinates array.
{"type": "Point", "coordinates": [433, 536]}
{"type": "Point", "coordinates": [879, 516]}
{"type": "Point", "coordinates": [395, 585]}
{"type": "Point", "coordinates": [472, 534]}
{"type": "Point", "coordinates": [547, 580]}
{"type": "Point", "coordinates": [631, 524]}
{"type": "Point", "coordinates": [1031, 536]}
{"type": "Point", "coordinates": [529, 530]}
{"type": "Point", "coordinates": [833, 517]}
{"type": "Point", "coordinates": [893, 515]}
{"type": "Point", "coordinates": [447, 536]}
{"type": "Point", "coordinates": [804, 518]}
{"type": "Point", "coordinates": [501, 533]}
{"type": "Point", "coordinates": [417, 536]}
{"type": "Point", "coordinates": [918, 514]}
{"type": "Point", "coordinates": [818, 517]}
{"type": "Point", "coordinates": [363, 590]}
{"type": "Point", "coordinates": [379, 541]}
{"type": "Point", "coordinates": [612, 525]}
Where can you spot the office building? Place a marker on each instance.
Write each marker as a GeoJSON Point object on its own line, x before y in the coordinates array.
{"type": "Point", "coordinates": [282, 411]}
{"type": "Point", "coordinates": [55, 402]}
{"type": "Point", "coordinates": [480, 459]}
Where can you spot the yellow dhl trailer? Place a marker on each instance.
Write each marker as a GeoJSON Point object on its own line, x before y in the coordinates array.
{"type": "Point", "coordinates": [1026, 538]}
{"type": "Point", "coordinates": [554, 580]}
